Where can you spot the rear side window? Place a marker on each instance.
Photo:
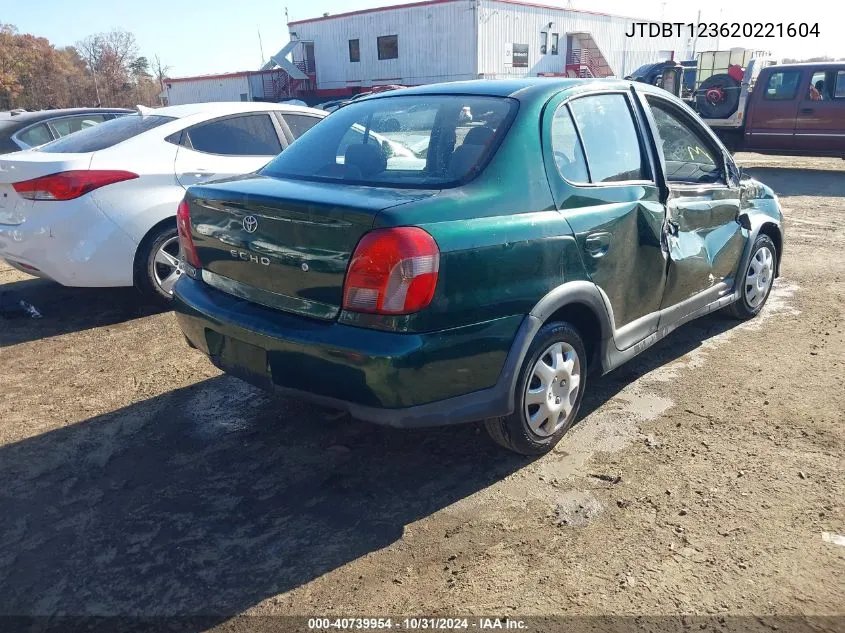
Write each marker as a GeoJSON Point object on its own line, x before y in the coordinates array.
{"type": "Point", "coordinates": [839, 92]}
{"type": "Point", "coordinates": [35, 135]}
{"type": "Point", "coordinates": [611, 143]}
{"type": "Point", "coordinates": [568, 153]}
{"type": "Point", "coordinates": [72, 124]}
{"type": "Point", "coordinates": [411, 141]}
{"type": "Point", "coordinates": [782, 85]}
{"type": "Point", "coordinates": [299, 124]}
{"type": "Point", "coordinates": [106, 134]}
{"type": "Point", "coordinates": [249, 135]}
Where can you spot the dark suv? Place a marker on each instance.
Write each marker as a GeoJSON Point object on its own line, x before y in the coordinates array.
{"type": "Point", "coordinates": [417, 269]}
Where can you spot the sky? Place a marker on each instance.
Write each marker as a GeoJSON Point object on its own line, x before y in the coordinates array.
{"type": "Point", "coordinates": [216, 36]}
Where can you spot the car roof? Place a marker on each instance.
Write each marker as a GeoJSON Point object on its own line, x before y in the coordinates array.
{"type": "Point", "coordinates": [525, 89]}
{"type": "Point", "coordinates": [222, 108]}
{"type": "Point", "coordinates": [25, 118]}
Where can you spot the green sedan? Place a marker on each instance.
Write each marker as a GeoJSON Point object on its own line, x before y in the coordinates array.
{"type": "Point", "coordinates": [416, 268]}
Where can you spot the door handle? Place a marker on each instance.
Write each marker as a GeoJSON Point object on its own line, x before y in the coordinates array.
{"type": "Point", "coordinates": [597, 244]}
{"type": "Point", "coordinates": [806, 110]}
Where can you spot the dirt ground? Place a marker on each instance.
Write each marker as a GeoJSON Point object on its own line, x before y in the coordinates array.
{"type": "Point", "coordinates": [135, 479]}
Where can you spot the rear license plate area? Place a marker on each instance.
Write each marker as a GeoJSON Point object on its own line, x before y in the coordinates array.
{"type": "Point", "coordinates": [237, 357]}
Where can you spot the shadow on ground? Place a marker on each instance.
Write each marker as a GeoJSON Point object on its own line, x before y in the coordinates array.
{"type": "Point", "coordinates": [800, 182]}
{"type": "Point", "coordinates": [63, 310]}
{"type": "Point", "coordinates": [211, 498]}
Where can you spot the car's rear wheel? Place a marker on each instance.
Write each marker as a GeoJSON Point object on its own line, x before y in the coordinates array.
{"type": "Point", "coordinates": [757, 280]}
{"type": "Point", "coordinates": [157, 266]}
{"type": "Point", "coordinates": [549, 391]}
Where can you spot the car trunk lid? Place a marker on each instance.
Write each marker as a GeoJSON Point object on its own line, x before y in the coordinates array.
{"type": "Point", "coordinates": [281, 243]}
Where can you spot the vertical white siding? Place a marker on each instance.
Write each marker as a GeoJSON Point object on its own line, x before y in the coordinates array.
{"type": "Point", "coordinates": [436, 43]}
{"type": "Point", "coordinates": [207, 89]}
{"type": "Point", "coordinates": [502, 24]}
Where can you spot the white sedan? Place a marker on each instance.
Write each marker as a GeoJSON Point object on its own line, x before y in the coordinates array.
{"type": "Point", "coordinates": [98, 208]}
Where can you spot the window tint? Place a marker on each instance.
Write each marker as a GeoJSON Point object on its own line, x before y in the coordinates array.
{"type": "Point", "coordinates": [610, 138]}
{"type": "Point", "coordinates": [69, 125]}
{"type": "Point", "coordinates": [354, 50]}
{"type": "Point", "coordinates": [399, 141]}
{"type": "Point", "coordinates": [248, 135]}
{"type": "Point", "coordinates": [840, 85]}
{"type": "Point", "coordinates": [569, 156]}
{"type": "Point", "coordinates": [106, 134]}
{"type": "Point", "coordinates": [299, 124]}
{"type": "Point", "coordinates": [388, 47]}
{"type": "Point", "coordinates": [688, 156]}
{"type": "Point", "coordinates": [782, 85]}
{"type": "Point", "coordinates": [36, 135]}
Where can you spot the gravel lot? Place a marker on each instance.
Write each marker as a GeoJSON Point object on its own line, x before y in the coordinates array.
{"type": "Point", "coordinates": [137, 480]}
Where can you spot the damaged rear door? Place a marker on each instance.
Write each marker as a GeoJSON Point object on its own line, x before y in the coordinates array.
{"type": "Point", "coordinates": [702, 236]}
{"type": "Point", "coordinates": [601, 176]}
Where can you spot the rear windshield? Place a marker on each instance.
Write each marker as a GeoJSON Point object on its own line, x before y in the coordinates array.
{"type": "Point", "coordinates": [105, 134]}
{"type": "Point", "coordinates": [429, 141]}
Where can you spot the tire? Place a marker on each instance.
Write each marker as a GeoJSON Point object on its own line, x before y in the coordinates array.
{"type": "Point", "coordinates": [761, 267]}
{"type": "Point", "coordinates": [723, 109]}
{"type": "Point", "coordinates": [516, 431]}
{"type": "Point", "coordinates": [151, 269]}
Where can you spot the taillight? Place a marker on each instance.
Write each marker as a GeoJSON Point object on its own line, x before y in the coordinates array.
{"type": "Point", "coordinates": [392, 271]}
{"type": "Point", "coordinates": [67, 185]}
{"type": "Point", "coordinates": [186, 241]}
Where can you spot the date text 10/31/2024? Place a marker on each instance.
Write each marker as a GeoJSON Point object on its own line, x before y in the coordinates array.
{"type": "Point", "coordinates": [728, 29]}
{"type": "Point", "coordinates": [413, 624]}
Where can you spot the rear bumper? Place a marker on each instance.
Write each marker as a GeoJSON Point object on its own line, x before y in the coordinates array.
{"type": "Point", "coordinates": [70, 242]}
{"type": "Point", "coordinates": [403, 380]}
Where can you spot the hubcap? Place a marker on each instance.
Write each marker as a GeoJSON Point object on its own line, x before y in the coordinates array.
{"type": "Point", "coordinates": [758, 279]}
{"type": "Point", "coordinates": [166, 268]}
{"type": "Point", "coordinates": [552, 389]}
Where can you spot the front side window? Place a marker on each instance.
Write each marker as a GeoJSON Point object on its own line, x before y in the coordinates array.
{"type": "Point", "coordinates": [248, 135]}
{"type": "Point", "coordinates": [412, 141]}
{"type": "Point", "coordinates": [611, 143]}
{"type": "Point", "coordinates": [687, 153]}
{"type": "Point", "coordinates": [782, 85]}
{"type": "Point", "coordinates": [388, 47]}
{"type": "Point", "coordinates": [106, 134]}
{"type": "Point", "coordinates": [354, 50]}
{"type": "Point", "coordinates": [69, 125]}
{"type": "Point", "coordinates": [566, 146]}
{"type": "Point", "coordinates": [35, 135]}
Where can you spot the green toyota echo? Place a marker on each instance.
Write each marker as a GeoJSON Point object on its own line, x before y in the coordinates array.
{"type": "Point", "coordinates": [474, 251]}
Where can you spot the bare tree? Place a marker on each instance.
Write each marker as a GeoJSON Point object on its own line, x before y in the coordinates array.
{"type": "Point", "coordinates": [160, 73]}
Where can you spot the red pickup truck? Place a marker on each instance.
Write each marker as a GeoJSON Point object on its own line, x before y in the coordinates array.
{"type": "Point", "coordinates": [793, 109]}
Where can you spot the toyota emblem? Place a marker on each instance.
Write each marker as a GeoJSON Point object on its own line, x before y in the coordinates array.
{"type": "Point", "coordinates": [250, 224]}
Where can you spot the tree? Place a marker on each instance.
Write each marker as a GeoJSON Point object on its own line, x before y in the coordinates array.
{"type": "Point", "coordinates": [160, 73]}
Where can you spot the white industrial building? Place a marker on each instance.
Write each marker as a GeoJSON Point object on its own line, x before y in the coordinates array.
{"type": "Point", "coordinates": [450, 40]}
{"type": "Point", "coordinates": [435, 41]}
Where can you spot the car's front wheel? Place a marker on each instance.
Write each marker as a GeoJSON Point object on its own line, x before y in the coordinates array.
{"type": "Point", "coordinates": [549, 391]}
{"type": "Point", "coordinates": [757, 280]}
{"type": "Point", "coordinates": [157, 265]}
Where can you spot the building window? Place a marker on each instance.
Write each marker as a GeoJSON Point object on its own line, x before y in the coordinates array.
{"type": "Point", "coordinates": [354, 51]}
{"type": "Point", "coordinates": [554, 43]}
{"type": "Point", "coordinates": [244, 96]}
{"type": "Point", "coordinates": [544, 42]}
{"type": "Point", "coordinates": [388, 47]}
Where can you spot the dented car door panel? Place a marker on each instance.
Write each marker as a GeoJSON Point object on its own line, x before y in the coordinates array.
{"type": "Point", "coordinates": [703, 239]}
